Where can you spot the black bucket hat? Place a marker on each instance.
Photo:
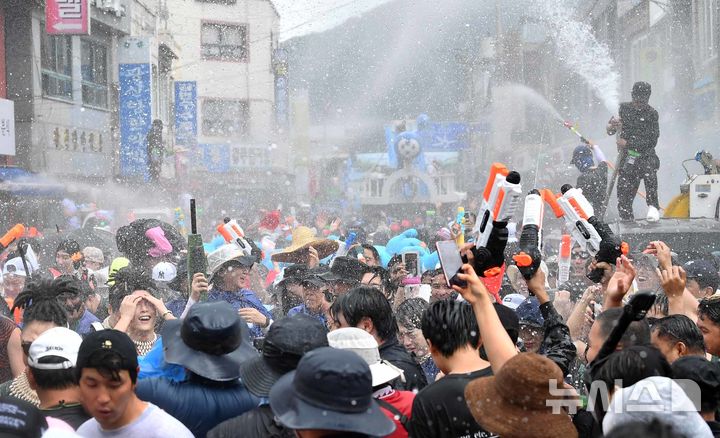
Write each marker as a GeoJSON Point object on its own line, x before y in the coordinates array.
{"type": "Point", "coordinates": [212, 341]}
{"type": "Point", "coordinates": [331, 389]}
{"type": "Point", "coordinates": [285, 344]}
{"type": "Point", "coordinates": [345, 269]}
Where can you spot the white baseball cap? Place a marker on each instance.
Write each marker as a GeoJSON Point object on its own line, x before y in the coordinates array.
{"type": "Point", "coordinates": [164, 272]}
{"type": "Point", "coordinates": [364, 345]}
{"type": "Point", "coordinates": [58, 341]}
{"type": "Point", "coordinates": [15, 267]}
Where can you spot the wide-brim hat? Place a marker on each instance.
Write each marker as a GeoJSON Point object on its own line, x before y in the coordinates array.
{"type": "Point", "coordinates": [300, 407]}
{"type": "Point", "coordinates": [288, 339]}
{"type": "Point", "coordinates": [384, 372]}
{"type": "Point", "coordinates": [258, 376]}
{"type": "Point", "coordinates": [212, 341]}
{"type": "Point", "coordinates": [525, 377]}
{"type": "Point", "coordinates": [302, 239]}
{"type": "Point", "coordinates": [227, 253]}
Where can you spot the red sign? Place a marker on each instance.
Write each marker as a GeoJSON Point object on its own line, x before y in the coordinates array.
{"type": "Point", "coordinates": [67, 17]}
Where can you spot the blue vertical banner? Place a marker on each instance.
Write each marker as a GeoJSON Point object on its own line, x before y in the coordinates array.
{"type": "Point", "coordinates": [186, 126]}
{"type": "Point", "coordinates": [135, 118]}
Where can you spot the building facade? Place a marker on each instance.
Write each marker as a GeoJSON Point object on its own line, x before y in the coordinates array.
{"type": "Point", "coordinates": [65, 88]}
{"type": "Point", "coordinates": [228, 49]}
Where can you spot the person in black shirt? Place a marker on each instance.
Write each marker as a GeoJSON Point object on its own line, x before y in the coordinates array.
{"type": "Point", "coordinates": [52, 374]}
{"type": "Point", "coordinates": [639, 132]}
{"type": "Point", "coordinates": [453, 338]}
{"type": "Point", "coordinates": [593, 178]}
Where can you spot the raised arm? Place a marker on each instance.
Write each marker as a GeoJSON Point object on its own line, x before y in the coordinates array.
{"type": "Point", "coordinates": [498, 345]}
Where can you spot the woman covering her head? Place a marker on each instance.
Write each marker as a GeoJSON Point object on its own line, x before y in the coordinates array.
{"type": "Point", "coordinates": [42, 310]}
{"type": "Point", "coordinates": [134, 308]}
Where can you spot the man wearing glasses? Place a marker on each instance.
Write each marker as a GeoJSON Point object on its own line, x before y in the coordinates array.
{"type": "Point", "coordinates": [438, 285]}
{"type": "Point", "coordinates": [317, 297]}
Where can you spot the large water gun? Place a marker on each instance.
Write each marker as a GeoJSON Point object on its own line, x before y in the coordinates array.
{"type": "Point", "coordinates": [196, 260]}
{"type": "Point", "coordinates": [528, 257]}
{"type": "Point", "coordinates": [344, 248]}
{"type": "Point", "coordinates": [231, 231]}
{"type": "Point", "coordinates": [593, 235]}
{"type": "Point", "coordinates": [500, 200]}
{"type": "Point", "coordinates": [575, 209]}
{"type": "Point", "coordinates": [11, 236]}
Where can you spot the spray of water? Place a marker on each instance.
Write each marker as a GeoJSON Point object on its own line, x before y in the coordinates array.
{"type": "Point", "coordinates": [578, 48]}
{"type": "Point", "coordinates": [531, 97]}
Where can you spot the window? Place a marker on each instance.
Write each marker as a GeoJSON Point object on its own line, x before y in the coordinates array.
{"type": "Point", "coordinates": [224, 118]}
{"type": "Point", "coordinates": [706, 21]}
{"type": "Point", "coordinates": [224, 42]}
{"type": "Point", "coordinates": [94, 74]}
{"type": "Point", "coordinates": [56, 54]}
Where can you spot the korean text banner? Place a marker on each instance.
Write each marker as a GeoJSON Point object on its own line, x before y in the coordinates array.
{"type": "Point", "coordinates": [67, 17]}
{"type": "Point", "coordinates": [135, 118]}
{"type": "Point", "coordinates": [186, 113]}
{"type": "Point", "coordinates": [7, 127]}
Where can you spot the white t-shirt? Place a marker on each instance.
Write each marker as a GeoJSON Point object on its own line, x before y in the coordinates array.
{"type": "Point", "coordinates": [152, 423]}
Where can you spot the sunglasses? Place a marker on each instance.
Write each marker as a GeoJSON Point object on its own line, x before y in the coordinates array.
{"type": "Point", "coordinates": [26, 347]}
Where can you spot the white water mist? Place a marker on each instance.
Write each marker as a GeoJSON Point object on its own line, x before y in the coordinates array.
{"type": "Point", "coordinates": [581, 52]}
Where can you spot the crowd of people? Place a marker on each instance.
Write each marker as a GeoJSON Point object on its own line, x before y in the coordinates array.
{"type": "Point", "coordinates": [335, 340]}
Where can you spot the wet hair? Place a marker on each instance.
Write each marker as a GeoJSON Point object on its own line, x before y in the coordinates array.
{"type": "Point", "coordinates": [410, 312]}
{"type": "Point", "coordinates": [83, 288]}
{"type": "Point", "coordinates": [109, 364]}
{"type": "Point", "coordinates": [661, 304]}
{"type": "Point", "coordinates": [633, 364]}
{"type": "Point", "coordinates": [336, 307]}
{"type": "Point", "coordinates": [428, 275]}
{"type": "Point", "coordinates": [54, 379]}
{"type": "Point", "coordinates": [368, 302]}
{"type": "Point", "coordinates": [373, 250]}
{"type": "Point", "coordinates": [126, 281]}
{"type": "Point", "coordinates": [641, 91]}
{"type": "Point", "coordinates": [680, 328]}
{"type": "Point", "coordinates": [638, 333]}
{"type": "Point", "coordinates": [394, 260]}
{"type": "Point", "coordinates": [634, 429]}
{"type": "Point", "coordinates": [710, 308]}
{"type": "Point", "coordinates": [450, 325]}
{"type": "Point", "coordinates": [40, 300]}
{"type": "Point", "coordinates": [69, 246]}
{"type": "Point", "coordinates": [378, 271]}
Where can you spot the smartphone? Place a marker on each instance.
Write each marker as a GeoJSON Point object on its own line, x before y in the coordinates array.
{"type": "Point", "coordinates": [451, 262]}
{"type": "Point", "coordinates": [412, 263]}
